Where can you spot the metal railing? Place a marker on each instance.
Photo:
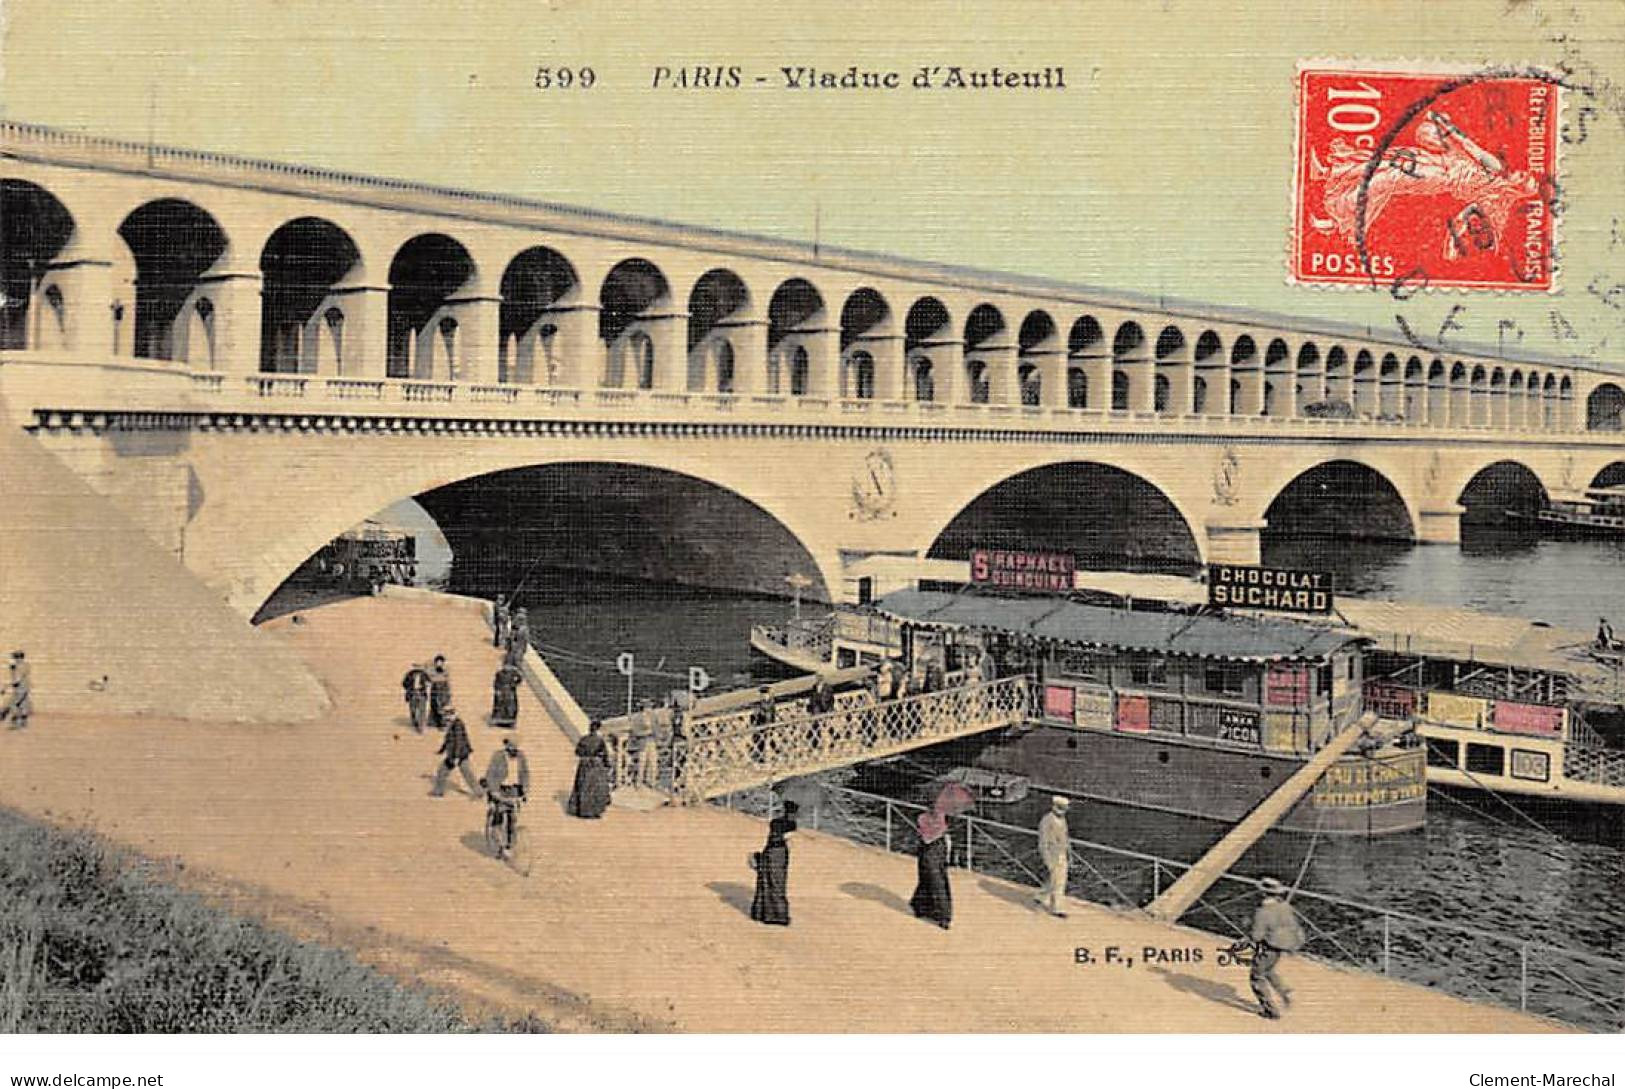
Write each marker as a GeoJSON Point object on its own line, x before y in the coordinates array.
{"type": "Point", "coordinates": [1605, 767]}
{"type": "Point", "coordinates": [1570, 985]}
{"type": "Point", "coordinates": [813, 637]}
{"type": "Point", "coordinates": [736, 751]}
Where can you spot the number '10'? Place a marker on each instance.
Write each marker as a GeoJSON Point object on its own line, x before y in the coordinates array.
{"type": "Point", "coordinates": [1354, 116]}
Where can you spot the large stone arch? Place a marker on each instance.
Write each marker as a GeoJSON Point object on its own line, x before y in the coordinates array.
{"type": "Point", "coordinates": [1105, 515]}
{"type": "Point", "coordinates": [1341, 497]}
{"type": "Point", "coordinates": [1497, 488]}
{"type": "Point", "coordinates": [297, 531]}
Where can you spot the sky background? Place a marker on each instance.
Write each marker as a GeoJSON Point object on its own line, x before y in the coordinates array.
{"type": "Point", "coordinates": [1164, 168]}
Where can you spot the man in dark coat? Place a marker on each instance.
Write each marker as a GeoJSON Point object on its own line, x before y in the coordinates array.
{"type": "Point", "coordinates": [455, 751]}
{"type": "Point", "coordinates": [518, 637]}
{"type": "Point", "coordinates": [500, 621]}
{"type": "Point", "coordinates": [439, 692]}
{"type": "Point", "coordinates": [415, 688]}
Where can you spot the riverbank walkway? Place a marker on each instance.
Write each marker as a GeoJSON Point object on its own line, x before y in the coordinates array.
{"type": "Point", "coordinates": [638, 920]}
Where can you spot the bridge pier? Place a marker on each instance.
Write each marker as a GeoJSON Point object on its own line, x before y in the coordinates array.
{"type": "Point", "coordinates": [1234, 540]}
{"type": "Point", "coordinates": [1440, 524]}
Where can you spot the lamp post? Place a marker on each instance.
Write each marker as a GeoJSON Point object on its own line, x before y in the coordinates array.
{"type": "Point", "coordinates": [798, 582]}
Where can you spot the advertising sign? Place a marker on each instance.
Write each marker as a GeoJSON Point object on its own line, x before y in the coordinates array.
{"type": "Point", "coordinates": [1134, 714]}
{"type": "Point", "coordinates": [1278, 589]}
{"type": "Point", "coordinates": [1528, 718]}
{"type": "Point", "coordinates": [1042, 572]}
{"type": "Point", "coordinates": [1093, 707]}
{"type": "Point", "coordinates": [1391, 700]}
{"type": "Point", "coordinates": [1058, 702]}
{"type": "Point", "coordinates": [1454, 710]}
{"type": "Point", "coordinates": [1286, 686]}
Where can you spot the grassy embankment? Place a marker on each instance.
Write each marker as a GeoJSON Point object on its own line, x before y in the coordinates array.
{"type": "Point", "coordinates": [91, 943]}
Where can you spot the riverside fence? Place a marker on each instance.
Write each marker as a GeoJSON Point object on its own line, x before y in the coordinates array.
{"type": "Point", "coordinates": [1573, 986]}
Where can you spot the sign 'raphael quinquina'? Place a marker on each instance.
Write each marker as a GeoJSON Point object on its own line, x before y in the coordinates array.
{"type": "Point", "coordinates": [1269, 588]}
{"type": "Point", "coordinates": [1043, 572]}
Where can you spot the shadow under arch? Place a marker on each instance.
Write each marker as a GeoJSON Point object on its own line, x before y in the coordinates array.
{"type": "Point", "coordinates": [1108, 518]}
{"type": "Point", "coordinates": [1342, 499]}
{"type": "Point", "coordinates": [616, 518]}
{"type": "Point", "coordinates": [1502, 493]}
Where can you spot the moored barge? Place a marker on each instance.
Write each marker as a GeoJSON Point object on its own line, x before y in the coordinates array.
{"type": "Point", "coordinates": [1190, 714]}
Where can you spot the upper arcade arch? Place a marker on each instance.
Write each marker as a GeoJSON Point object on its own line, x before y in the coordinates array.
{"type": "Point", "coordinates": [426, 338]}
{"type": "Point", "coordinates": [799, 341]}
{"type": "Point", "coordinates": [173, 245]}
{"type": "Point", "coordinates": [721, 327]}
{"type": "Point", "coordinates": [36, 230]}
{"type": "Point", "coordinates": [541, 338]}
{"type": "Point", "coordinates": [634, 312]}
{"type": "Point", "coordinates": [303, 319]}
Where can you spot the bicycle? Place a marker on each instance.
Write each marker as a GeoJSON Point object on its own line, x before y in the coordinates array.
{"type": "Point", "coordinates": [502, 831]}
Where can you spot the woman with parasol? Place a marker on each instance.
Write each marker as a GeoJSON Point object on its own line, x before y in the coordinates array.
{"type": "Point", "coordinates": [933, 899]}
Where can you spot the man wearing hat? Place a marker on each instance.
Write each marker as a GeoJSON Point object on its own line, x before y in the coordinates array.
{"type": "Point", "coordinates": [1275, 931]}
{"type": "Point", "coordinates": [456, 750]}
{"type": "Point", "coordinates": [1053, 837]}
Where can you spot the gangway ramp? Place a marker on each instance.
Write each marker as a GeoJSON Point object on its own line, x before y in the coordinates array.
{"type": "Point", "coordinates": [722, 754]}
{"type": "Point", "coordinates": [1179, 896]}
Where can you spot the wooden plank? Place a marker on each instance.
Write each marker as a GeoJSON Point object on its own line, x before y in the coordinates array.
{"type": "Point", "coordinates": [1179, 896]}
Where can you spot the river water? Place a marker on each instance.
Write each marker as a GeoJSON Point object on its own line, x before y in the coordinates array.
{"type": "Point", "coordinates": [1542, 874]}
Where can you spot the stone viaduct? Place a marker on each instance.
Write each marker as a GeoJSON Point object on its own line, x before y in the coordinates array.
{"type": "Point", "coordinates": [249, 357]}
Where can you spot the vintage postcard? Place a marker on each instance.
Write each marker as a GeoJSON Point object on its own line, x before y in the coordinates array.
{"type": "Point", "coordinates": [867, 517]}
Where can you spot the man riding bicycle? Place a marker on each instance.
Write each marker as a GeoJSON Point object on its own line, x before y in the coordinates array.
{"type": "Point", "coordinates": [506, 783]}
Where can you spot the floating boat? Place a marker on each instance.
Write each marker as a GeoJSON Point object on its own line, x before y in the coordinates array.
{"type": "Point", "coordinates": [1197, 715]}
{"type": "Point", "coordinates": [1592, 512]}
{"type": "Point", "coordinates": [996, 787]}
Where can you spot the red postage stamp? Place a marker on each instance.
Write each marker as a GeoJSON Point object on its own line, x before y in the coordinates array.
{"type": "Point", "coordinates": [1417, 180]}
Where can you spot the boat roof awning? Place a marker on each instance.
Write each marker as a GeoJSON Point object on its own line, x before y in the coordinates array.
{"type": "Point", "coordinates": [1405, 627]}
{"type": "Point", "coordinates": [1061, 620]}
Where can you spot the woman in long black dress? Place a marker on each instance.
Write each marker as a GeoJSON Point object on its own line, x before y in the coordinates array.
{"type": "Point", "coordinates": [590, 795]}
{"type": "Point", "coordinates": [505, 697]}
{"type": "Point", "coordinates": [933, 899]}
{"type": "Point", "coordinates": [772, 902]}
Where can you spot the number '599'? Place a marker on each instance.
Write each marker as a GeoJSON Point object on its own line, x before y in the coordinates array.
{"type": "Point", "coordinates": [548, 79]}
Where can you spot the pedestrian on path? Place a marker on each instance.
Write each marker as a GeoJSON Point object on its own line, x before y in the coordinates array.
{"type": "Point", "coordinates": [415, 689]}
{"type": "Point", "coordinates": [771, 904]}
{"type": "Point", "coordinates": [505, 697]}
{"type": "Point", "coordinates": [1055, 849]}
{"type": "Point", "coordinates": [439, 692]}
{"type": "Point", "coordinates": [933, 898]}
{"type": "Point", "coordinates": [1275, 931]}
{"type": "Point", "coordinates": [508, 769]}
{"type": "Point", "coordinates": [501, 620]}
{"type": "Point", "coordinates": [648, 767]}
{"type": "Point", "coordinates": [455, 751]}
{"type": "Point", "coordinates": [589, 796]}
{"type": "Point", "coordinates": [19, 702]}
{"type": "Point", "coordinates": [518, 638]}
